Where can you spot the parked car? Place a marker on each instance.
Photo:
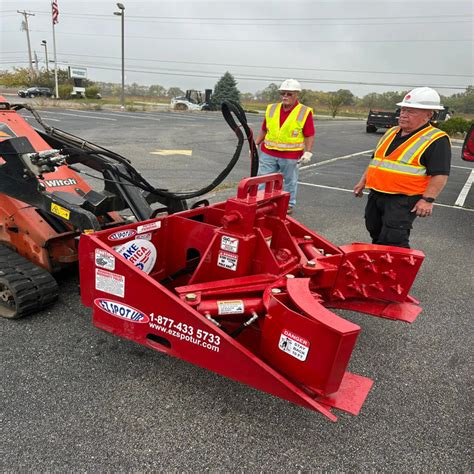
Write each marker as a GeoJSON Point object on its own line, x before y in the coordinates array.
{"type": "Point", "coordinates": [35, 92]}
{"type": "Point", "coordinates": [467, 153]}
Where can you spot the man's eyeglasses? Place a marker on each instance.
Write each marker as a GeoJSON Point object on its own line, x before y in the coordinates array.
{"type": "Point", "coordinates": [289, 94]}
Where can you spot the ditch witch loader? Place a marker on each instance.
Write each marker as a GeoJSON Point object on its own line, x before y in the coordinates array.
{"type": "Point", "coordinates": [238, 287]}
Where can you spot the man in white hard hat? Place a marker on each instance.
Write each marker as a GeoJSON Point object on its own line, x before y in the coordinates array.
{"type": "Point", "coordinates": [287, 138]}
{"type": "Point", "coordinates": [409, 168]}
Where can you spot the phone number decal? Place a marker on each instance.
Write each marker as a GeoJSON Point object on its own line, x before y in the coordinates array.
{"type": "Point", "coordinates": [185, 332]}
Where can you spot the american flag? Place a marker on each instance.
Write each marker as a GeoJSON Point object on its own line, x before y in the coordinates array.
{"type": "Point", "coordinates": [55, 12]}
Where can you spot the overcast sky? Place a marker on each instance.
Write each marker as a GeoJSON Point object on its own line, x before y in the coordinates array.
{"type": "Point", "coordinates": [327, 45]}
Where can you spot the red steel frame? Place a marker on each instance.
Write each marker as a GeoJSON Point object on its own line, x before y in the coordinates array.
{"type": "Point", "coordinates": [243, 290]}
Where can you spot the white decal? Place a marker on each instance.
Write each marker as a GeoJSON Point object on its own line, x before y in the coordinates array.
{"type": "Point", "coordinates": [109, 282]}
{"type": "Point", "coordinates": [294, 345]}
{"type": "Point", "coordinates": [122, 234]}
{"type": "Point", "coordinates": [104, 259]}
{"type": "Point", "coordinates": [231, 244]}
{"type": "Point", "coordinates": [230, 307]}
{"type": "Point", "coordinates": [142, 253]}
{"type": "Point", "coordinates": [121, 310]}
{"type": "Point", "coordinates": [148, 227]}
{"type": "Point", "coordinates": [146, 236]}
{"type": "Point", "coordinates": [227, 260]}
{"type": "Point", "coordinates": [56, 183]}
{"type": "Point", "coordinates": [185, 332]}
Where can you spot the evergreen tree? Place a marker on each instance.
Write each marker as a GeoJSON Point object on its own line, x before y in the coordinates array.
{"type": "Point", "coordinates": [225, 89]}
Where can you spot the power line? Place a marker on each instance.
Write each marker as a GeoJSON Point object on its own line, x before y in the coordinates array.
{"type": "Point", "coordinates": [253, 21]}
{"type": "Point", "coordinates": [258, 40]}
{"type": "Point", "coordinates": [374, 18]}
{"type": "Point", "coordinates": [263, 78]}
{"type": "Point", "coordinates": [292, 68]}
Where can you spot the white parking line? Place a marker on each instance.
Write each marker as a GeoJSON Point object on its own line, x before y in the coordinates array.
{"type": "Point", "coordinates": [81, 116]}
{"type": "Point", "coordinates": [461, 167]}
{"type": "Point", "coordinates": [351, 191]}
{"type": "Point", "coordinates": [465, 190]}
{"type": "Point", "coordinates": [114, 114]}
{"type": "Point", "coordinates": [345, 157]}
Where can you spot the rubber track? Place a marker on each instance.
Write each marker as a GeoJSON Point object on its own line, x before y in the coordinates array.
{"type": "Point", "coordinates": [33, 287]}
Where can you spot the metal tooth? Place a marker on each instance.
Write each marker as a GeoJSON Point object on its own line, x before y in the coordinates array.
{"type": "Point", "coordinates": [275, 291]}
{"type": "Point", "coordinates": [191, 297]}
{"type": "Point", "coordinates": [358, 289]}
{"type": "Point", "coordinates": [371, 268]}
{"type": "Point", "coordinates": [311, 263]}
{"type": "Point", "coordinates": [290, 275]}
{"type": "Point", "coordinates": [397, 289]}
{"type": "Point", "coordinates": [338, 294]}
{"type": "Point", "coordinates": [348, 265]}
{"type": "Point", "coordinates": [387, 258]}
{"type": "Point", "coordinates": [307, 237]}
{"type": "Point", "coordinates": [377, 286]}
{"type": "Point", "coordinates": [365, 257]}
{"type": "Point", "coordinates": [390, 274]}
{"type": "Point", "coordinates": [410, 260]}
{"type": "Point", "coordinates": [352, 275]}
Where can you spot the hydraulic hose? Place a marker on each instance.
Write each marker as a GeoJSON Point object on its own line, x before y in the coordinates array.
{"type": "Point", "coordinates": [74, 143]}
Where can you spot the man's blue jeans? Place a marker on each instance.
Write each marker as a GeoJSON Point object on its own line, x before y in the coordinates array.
{"type": "Point", "coordinates": [288, 168]}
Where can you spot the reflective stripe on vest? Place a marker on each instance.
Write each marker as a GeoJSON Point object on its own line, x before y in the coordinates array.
{"type": "Point", "coordinates": [401, 172]}
{"type": "Point", "coordinates": [288, 136]}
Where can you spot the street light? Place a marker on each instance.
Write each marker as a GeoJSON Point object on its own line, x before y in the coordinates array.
{"type": "Point", "coordinates": [121, 13]}
{"type": "Point", "coordinates": [45, 44]}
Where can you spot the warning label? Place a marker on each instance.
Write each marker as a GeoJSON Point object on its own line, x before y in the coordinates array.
{"type": "Point", "coordinates": [294, 345]}
{"type": "Point", "coordinates": [230, 307]}
{"type": "Point", "coordinates": [109, 282]}
{"type": "Point", "coordinates": [227, 260]}
{"type": "Point", "coordinates": [104, 259]}
{"type": "Point", "coordinates": [147, 227]}
{"type": "Point", "coordinates": [231, 244]}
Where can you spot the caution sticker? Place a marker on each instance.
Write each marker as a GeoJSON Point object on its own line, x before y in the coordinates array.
{"type": "Point", "coordinates": [108, 282]}
{"type": "Point", "coordinates": [148, 227]}
{"type": "Point", "coordinates": [60, 211]}
{"type": "Point", "coordinates": [230, 244]}
{"type": "Point", "coordinates": [104, 259]}
{"type": "Point", "coordinates": [294, 345]}
{"type": "Point", "coordinates": [230, 307]}
{"type": "Point", "coordinates": [227, 260]}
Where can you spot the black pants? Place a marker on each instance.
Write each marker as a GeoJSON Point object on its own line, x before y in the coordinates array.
{"type": "Point", "coordinates": [388, 218]}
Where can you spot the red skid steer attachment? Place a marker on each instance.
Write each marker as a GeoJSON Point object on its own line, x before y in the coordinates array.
{"type": "Point", "coordinates": [243, 290]}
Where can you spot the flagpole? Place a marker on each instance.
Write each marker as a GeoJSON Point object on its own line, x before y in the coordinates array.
{"type": "Point", "coordinates": [55, 60]}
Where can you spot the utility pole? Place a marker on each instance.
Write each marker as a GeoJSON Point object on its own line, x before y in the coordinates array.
{"type": "Point", "coordinates": [45, 44]}
{"type": "Point", "coordinates": [121, 13]}
{"type": "Point", "coordinates": [26, 27]}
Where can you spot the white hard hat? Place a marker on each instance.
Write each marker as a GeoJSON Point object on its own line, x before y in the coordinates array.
{"type": "Point", "coordinates": [290, 85]}
{"type": "Point", "coordinates": [422, 98]}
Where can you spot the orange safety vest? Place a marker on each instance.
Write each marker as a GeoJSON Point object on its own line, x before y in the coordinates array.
{"type": "Point", "coordinates": [401, 172]}
{"type": "Point", "coordinates": [288, 137]}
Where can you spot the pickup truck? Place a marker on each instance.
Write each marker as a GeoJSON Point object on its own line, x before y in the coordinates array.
{"type": "Point", "coordinates": [381, 119]}
{"type": "Point", "coordinates": [387, 119]}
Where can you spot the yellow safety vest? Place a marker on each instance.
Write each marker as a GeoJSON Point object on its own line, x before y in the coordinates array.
{"type": "Point", "coordinates": [288, 137]}
{"type": "Point", "coordinates": [401, 171]}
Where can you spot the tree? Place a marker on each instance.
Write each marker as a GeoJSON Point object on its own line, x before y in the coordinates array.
{"type": "Point", "coordinates": [269, 94]}
{"type": "Point", "coordinates": [174, 92]}
{"type": "Point", "coordinates": [225, 89]}
{"type": "Point", "coordinates": [156, 90]}
{"type": "Point", "coordinates": [247, 96]}
{"type": "Point", "coordinates": [336, 99]}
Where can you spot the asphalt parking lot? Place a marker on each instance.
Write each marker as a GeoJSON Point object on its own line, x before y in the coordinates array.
{"type": "Point", "coordinates": [78, 399]}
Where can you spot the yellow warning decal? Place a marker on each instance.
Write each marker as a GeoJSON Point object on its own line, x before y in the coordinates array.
{"type": "Point", "coordinates": [60, 211]}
